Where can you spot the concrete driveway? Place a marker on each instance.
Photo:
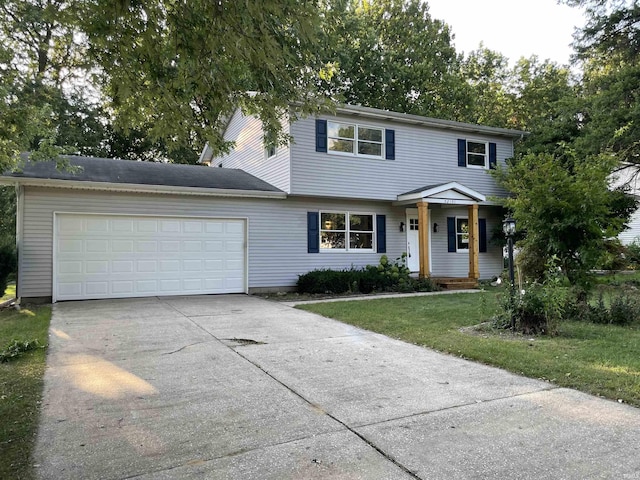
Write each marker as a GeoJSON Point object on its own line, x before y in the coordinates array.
{"type": "Point", "coordinates": [236, 387]}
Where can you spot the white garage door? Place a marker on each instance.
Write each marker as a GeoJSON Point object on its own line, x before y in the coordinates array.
{"type": "Point", "coordinates": [115, 256]}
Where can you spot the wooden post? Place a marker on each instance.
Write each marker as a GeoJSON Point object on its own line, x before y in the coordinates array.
{"type": "Point", "coordinates": [423, 236]}
{"type": "Point", "coordinates": [474, 242]}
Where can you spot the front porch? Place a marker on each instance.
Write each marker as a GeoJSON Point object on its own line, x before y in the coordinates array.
{"type": "Point", "coordinates": [464, 234]}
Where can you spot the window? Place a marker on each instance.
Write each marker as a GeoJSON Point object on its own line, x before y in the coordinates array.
{"type": "Point", "coordinates": [476, 154]}
{"type": "Point", "coordinates": [355, 139]}
{"type": "Point", "coordinates": [462, 234]}
{"type": "Point", "coordinates": [270, 152]}
{"type": "Point", "coordinates": [346, 231]}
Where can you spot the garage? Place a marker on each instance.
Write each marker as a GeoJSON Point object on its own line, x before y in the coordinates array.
{"type": "Point", "coordinates": [117, 256]}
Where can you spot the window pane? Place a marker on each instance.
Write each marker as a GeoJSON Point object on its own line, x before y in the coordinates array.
{"type": "Point", "coordinates": [476, 160]}
{"type": "Point", "coordinates": [366, 148]}
{"type": "Point", "coordinates": [343, 130]}
{"type": "Point", "coordinates": [360, 240]}
{"type": "Point", "coordinates": [341, 145]}
{"type": "Point", "coordinates": [361, 222]}
{"type": "Point", "coordinates": [372, 134]}
{"type": "Point", "coordinates": [332, 240]}
{"type": "Point", "coordinates": [462, 233]}
{"type": "Point", "coordinates": [475, 147]}
{"type": "Point", "coordinates": [332, 221]}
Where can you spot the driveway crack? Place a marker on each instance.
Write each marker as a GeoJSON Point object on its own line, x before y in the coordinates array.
{"type": "Point", "coordinates": [315, 406]}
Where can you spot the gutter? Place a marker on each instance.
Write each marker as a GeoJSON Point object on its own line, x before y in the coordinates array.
{"type": "Point", "coordinates": [140, 188]}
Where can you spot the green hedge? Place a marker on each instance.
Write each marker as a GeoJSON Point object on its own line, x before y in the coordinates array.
{"type": "Point", "coordinates": [385, 277]}
{"type": "Point", "coordinates": [8, 263]}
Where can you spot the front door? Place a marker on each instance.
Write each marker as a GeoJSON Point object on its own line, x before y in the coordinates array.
{"type": "Point", "coordinates": [413, 242]}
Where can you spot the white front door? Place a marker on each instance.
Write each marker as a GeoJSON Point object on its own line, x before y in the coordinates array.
{"type": "Point", "coordinates": [413, 240]}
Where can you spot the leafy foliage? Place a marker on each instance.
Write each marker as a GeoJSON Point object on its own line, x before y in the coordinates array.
{"type": "Point", "coordinates": [8, 262]}
{"type": "Point", "coordinates": [564, 205]}
{"type": "Point", "coordinates": [391, 54]}
{"type": "Point", "coordinates": [386, 276]}
{"type": "Point", "coordinates": [17, 348]}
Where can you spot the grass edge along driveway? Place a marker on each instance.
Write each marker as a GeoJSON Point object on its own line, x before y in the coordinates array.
{"type": "Point", "coordinates": [602, 360]}
{"type": "Point", "coordinates": [21, 383]}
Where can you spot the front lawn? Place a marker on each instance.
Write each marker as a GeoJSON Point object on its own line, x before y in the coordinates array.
{"type": "Point", "coordinates": [21, 389]}
{"type": "Point", "coordinates": [598, 359]}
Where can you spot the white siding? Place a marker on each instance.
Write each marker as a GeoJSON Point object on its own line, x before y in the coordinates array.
{"type": "Point", "coordinates": [456, 264]}
{"type": "Point", "coordinates": [249, 153]}
{"type": "Point", "coordinates": [424, 156]}
{"type": "Point", "coordinates": [633, 232]}
{"type": "Point", "coordinates": [277, 233]}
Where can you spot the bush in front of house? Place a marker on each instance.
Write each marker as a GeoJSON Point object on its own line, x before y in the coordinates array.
{"type": "Point", "coordinates": [8, 263]}
{"type": "Point", "coordinates": [387, 276]}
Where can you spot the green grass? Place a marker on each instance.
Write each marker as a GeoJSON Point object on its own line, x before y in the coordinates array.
{"type": "Point", "coordinates": [598, 359]}
{"type": "Point", "coordinates": [21, 389]}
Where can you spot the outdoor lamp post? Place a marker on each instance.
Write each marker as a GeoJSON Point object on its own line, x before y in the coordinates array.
{"type": "Point", "coordinates": [509, 229]}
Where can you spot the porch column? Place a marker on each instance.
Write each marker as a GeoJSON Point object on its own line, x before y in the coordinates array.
{"type": "Point", "coordinates": [423, 237]}
{"type": "Point", "coordinates": [474, 242]}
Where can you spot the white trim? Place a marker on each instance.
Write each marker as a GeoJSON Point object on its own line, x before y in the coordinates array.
{"type": "Point", "coordinates": [356, 140]}
{"type": "Point", "coordinates": [19, 236]}
{"type": "Point", "coordinates": [54, 287]}
{"type": "Point", "coordinates": [486, 154]}
{"type": "Point", "coordinates": [139, 188]}
{"type": "Point", "coordinates": [430, 195]}
{"type": "Point", "coordinates": [347, 213]}
{"type": "Point", "coordinates": [461, 217]}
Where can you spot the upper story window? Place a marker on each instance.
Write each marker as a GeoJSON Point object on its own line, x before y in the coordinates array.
{"type": "Point", "coordinates": [270, 152]}
{"type": "Point", "coordinates": [346, 231]}
{"type": "Point", "coordinates": [355, 139]}
{"type": "Point", "coordinates": [476, 154]}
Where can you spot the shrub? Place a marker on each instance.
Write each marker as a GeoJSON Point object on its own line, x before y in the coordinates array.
{"type": "Point", "coordinates": [633, 254]}
{"type": "Point", "coordinates": [614, 256]}
{"type": "Point", "coordinates": [327, 281]}
{"type": "Point", "coordinates": [387, 276]}
{"type": "Point", "coordinates": [623, 310]}
{"type": "Point", "coordinates": [538, 309]}
{"type": "Point", "coordinates": [8, 263]}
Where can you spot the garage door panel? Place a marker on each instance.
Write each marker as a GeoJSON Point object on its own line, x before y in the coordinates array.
{"type": "Point", "coordinates": [125, 256]}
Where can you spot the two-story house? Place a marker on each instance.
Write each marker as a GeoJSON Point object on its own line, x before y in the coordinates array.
{"type": "Point", "coordinates": [349, 188]}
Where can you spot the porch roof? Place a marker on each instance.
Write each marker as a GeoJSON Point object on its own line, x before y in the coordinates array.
{"type": "Point", "coordinates": [451, 193]}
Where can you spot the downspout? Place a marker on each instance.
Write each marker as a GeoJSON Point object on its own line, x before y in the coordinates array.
{"type": "Point", "coordinates": [19, 228]}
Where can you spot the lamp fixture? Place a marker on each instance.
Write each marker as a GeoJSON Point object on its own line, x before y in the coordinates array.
{"type": "Point", "coordinates": [509, 227]}
{"type": "Point", "coordinates": [402, 226]}
{"type": "Point", "coordinates": [436, 227]}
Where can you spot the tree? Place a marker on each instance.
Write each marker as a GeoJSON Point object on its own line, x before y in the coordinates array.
{"type": "Point", "coordinates": [565, 208]}
{"type": "Point", "coordinates": [181, 68]}
{"type": "Point", "coordinates": [608, 48]}
{"type": "Point", "coordinates": [391, 54]}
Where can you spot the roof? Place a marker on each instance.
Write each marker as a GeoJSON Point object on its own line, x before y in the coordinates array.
{"type": "Point", "coordinates": [451, 193]}
{"type": "Point", "coordinates": [428, 121]}
{"type": "Point", "coordinates": [142, 176]}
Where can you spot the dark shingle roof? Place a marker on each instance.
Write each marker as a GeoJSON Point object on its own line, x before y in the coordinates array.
{"type": "Point", "coordinates": [422, 189]}
{"type": "Point", "coordinates": [108, 170]}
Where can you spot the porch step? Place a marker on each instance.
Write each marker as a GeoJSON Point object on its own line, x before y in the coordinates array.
{"type": "Point", "coordinates": [450, 283]}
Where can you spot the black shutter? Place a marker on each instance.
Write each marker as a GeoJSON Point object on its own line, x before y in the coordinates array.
{"type": "Point", "coordinates": [381, 233]}
{"type": "Point", "coordinates": [390, 144]}
{"type": "Point", "coordinates": [321, 135]}
{"type": "Point", "coordinates": [462, 152]}
{"type": "Point", "coordinates": [493, 156]}
{"type": "Point", "coordinates": [482, 232]}
{"type": "Point", "coordinates": [313, 232]}
{"type": "Point", "coordinates": [451, 234]}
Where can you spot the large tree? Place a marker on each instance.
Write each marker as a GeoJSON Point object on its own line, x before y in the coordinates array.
{"type": "Point", "coordinates": [392, 54]}
{"type": "Point", "coordinates": [179, 69]}
{"type": "Point", "coordinates": [608, 49]}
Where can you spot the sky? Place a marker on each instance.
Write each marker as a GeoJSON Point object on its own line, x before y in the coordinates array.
{"type": "Point", "coordinates": [514, 28]}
